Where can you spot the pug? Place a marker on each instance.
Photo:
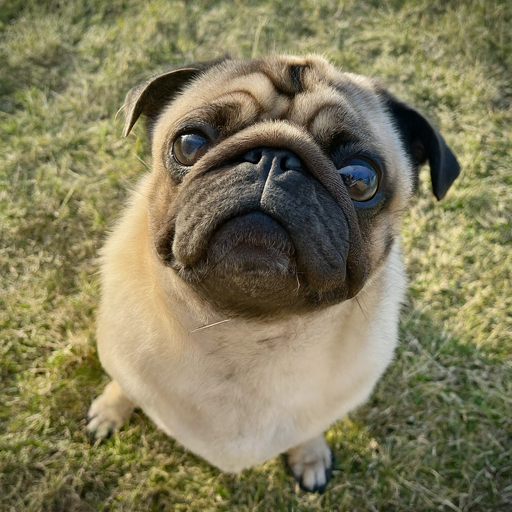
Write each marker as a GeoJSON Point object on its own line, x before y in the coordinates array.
{"type": "Point", "coordinates": [251, 289]}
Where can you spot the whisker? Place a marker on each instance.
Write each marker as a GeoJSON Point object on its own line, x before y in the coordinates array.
{"type": "Point", "coordinates": [210, 325]}
{"type": "Point", "coordinates": [142, 161]}
{"type": "Point", "coordinates": [362, 310]}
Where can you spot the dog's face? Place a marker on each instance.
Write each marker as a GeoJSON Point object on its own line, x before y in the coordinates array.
{"type": "Point", "coordinates": [278, 184]}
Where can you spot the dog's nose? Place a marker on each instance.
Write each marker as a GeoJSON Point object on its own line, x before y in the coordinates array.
{"type": "Point", "coordinates": [281, 158]}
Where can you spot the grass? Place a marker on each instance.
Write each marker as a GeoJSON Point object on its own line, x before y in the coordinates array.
{"type": "Point", "coordinates": [437, 432]}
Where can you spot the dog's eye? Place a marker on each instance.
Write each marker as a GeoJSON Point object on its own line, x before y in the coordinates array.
{"type": "Point", "coordinates": [361, 179]}
{"type": "Point", "coordinates": [188, 148]}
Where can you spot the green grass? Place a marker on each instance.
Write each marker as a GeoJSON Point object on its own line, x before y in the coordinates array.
{"type": "Point", "coordinates": [437, 432]}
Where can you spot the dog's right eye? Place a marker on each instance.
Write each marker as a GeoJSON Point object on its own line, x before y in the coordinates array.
{"type": "Point", "coordinates": [188, 148]}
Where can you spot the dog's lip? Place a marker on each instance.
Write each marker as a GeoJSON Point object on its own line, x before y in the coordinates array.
{"type": "Point", "coordinates": [250, 233]}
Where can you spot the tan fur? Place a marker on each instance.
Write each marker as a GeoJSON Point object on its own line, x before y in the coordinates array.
{"type": "Point", "coordinates": [220, 391]}
{"type": "Point", "coordinates": [239, 391]}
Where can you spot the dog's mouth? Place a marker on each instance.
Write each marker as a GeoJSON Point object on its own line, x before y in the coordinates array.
{"type": "Point", "coordinates": [252, 243]}
{"type": "Point", "coordinates": [249, 261]}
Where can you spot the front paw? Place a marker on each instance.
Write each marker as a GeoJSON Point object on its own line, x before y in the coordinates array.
{"type": "Point", "coordinates": [108, 412]}
{"type": "Point", "coordinates": [311, 464]}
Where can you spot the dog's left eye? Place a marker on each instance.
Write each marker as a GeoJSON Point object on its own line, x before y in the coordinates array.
{"type": "Point", "coordinates": [188, 148]}
{"type": "Point", "coordinates": [361, 179]}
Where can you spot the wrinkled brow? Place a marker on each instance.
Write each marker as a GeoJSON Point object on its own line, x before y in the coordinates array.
{"type": "Point", "coordinates": [334, 124]}
{"type": "Point", "coordinates": [225, 117]}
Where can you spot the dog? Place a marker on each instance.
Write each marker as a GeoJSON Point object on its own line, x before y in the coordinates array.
{"type": "Point", "coordinates": [251, 289]}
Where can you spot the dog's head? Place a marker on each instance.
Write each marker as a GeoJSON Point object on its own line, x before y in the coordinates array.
{"type": "Point", "coordinates": [278, 184]}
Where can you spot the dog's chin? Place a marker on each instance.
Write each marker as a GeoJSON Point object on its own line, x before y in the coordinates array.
{"type": "Point", "coordinates": [249, 268]}
{"type": "Point", "coordinates": [253, 243]}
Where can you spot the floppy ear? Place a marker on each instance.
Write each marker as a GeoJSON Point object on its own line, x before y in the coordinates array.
{"type": "Point", "coordinates": [423, 142]}
{"type": "Point", "coordinates": [150, 97]}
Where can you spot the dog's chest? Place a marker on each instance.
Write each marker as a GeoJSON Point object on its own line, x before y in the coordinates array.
{"type": "Point", "coordinates": [240, 396]}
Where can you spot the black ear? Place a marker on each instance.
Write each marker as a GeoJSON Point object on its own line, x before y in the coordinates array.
{"type": "Point", "coordinates": [423, 142]}
{"type": "Point", "coordinates": [150, 97]}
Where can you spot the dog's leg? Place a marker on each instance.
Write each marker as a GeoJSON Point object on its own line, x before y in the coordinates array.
{"type": "Point", "coordinates": [311, 464]}
{"type": "Point", "coordinates": [108, 412]}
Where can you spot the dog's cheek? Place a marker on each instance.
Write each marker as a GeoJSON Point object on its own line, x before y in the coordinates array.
{"type": "Point", "coordinates": [379, 236]}
{"type": "Point", "coordinates": [162, 215]}
{"type": "Point", "coordinates": [175, 173]}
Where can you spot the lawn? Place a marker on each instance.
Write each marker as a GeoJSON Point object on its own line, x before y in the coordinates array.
{"type": "Point", "coordinates": [437, 431]}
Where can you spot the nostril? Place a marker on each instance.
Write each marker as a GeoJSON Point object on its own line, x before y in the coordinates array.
{"type": "Point", "coordinates": [253, 156]}
{"type": "Point", "coordinates": [282, 159]}
{"type": "Point", "coordinates": [291, 163]}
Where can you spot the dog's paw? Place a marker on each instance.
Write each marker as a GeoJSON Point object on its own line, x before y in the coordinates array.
{"type": "Point", "coordinates": [311, 464]}
{"type": "Point", "coordinates": [108, 412]}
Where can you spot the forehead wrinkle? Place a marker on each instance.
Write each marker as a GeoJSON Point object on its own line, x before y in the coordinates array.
{"type": "Point", "coordinates": [332, 124]}
{"type": "Point", "coordinates": [240, 98]}
{"type": "Point", "coordinates": [269, 103]}
{"type": "Point", "coordinates": [257, 85]}
{"type": "Point", "coordinates": [332, 113]}
{"type": "Point", "coordinates": [220, 82]}
{"type": "Point", "coordinates": [306, 104]}
{"type": "Point", "coordinates": [293, 75]}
